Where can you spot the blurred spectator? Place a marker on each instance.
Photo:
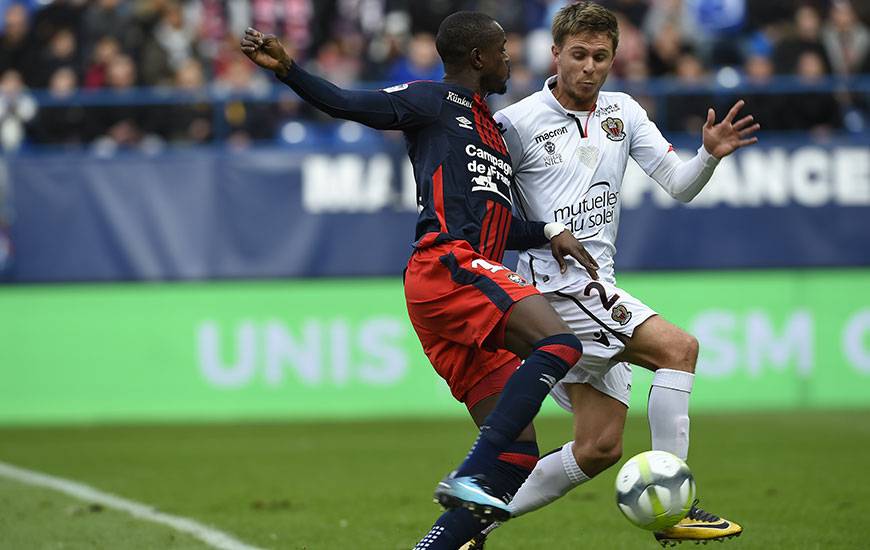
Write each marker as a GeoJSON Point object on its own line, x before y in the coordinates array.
{"type": "Point", "coordinates": [766, 108]}
{"type": "Point", "coordinates": [633, 10]}
{"type": "Point", "coordinates": [663, 14]}
{"type": "Point", "coordinates": [336, 63]}
{"type": "Point", "coordinates": [119, 126]}
{"type": "Point", "coordinates": [17, 108]}
{"type": "Point", "coordinates": [105, 50]}
{"type": "Point", "coordinates": [56, 15]}
{"type": "Point", "coordinates": [806, 36]}
{"type": "Point", "coordinates": [61, 124]}
{"type": "Point", "coordinates": [192, 45]}
{"type": "Point", "coordinates": [846, 39]}
{"type": "Point", "coordinates": [666, 47]}
{"type": "Point", "coordinates": [105, 18]}
{"type": "Point", "coordinates": [17, 52]}
{"type": "Point", "coordinates": [818, 112]}
{"type": "Point", "coordinates": [189, 123]}
{"type": "Point", "coordinates": [61, 52]}
{"type": "Point", "coordinates": [687, 112]}
{"type": "Point", "coordinates": [215, 20]}
{"type": "Point", "coordinates": [245, 120]}
{"type": "Point", "coordinates": [631, 54]}
{"type": "Point", "coordinates": [167, 46]}
{"type": "Point", "coordinates": [421, 63]}
{"type": "Point", "coordinates": [174, 36]}
{"type": "Point", "coordinates": [719, 23]}
{"type": "Point", "coordinates": [291, 20]}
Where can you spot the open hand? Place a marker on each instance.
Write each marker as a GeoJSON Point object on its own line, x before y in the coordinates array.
{"type": "Point", "coordinates": [720, 140]}
{"type": "Point", "coordinates": [266, 51]}
{"type": "Point", "coordinates": [566, 244]}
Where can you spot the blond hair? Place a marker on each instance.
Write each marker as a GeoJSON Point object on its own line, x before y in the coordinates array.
{"type": "Point", "coordinates": [583, 17]}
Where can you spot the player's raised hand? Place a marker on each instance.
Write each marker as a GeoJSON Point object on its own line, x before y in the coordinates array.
{"type": "Point", "coordinates": [720, 140]}
{"type": "Point", "coordinates": [266, 51]}
{"type": "Point", "coordinates": [566, 244]}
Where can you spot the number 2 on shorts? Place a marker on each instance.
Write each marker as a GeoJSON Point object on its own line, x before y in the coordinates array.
{"type": "Point", "coordinates": [601, 294]}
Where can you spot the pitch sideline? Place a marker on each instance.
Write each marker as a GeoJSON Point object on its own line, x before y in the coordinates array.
{"type": "Point", "coordinates": [212, 537]}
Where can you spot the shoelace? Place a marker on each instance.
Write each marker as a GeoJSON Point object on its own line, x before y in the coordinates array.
{"type": "Point", "coordinates": [700, 515]}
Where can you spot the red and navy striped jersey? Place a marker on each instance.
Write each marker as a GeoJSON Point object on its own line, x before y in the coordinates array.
{"type": "Point", "coordinates": [461, 163]}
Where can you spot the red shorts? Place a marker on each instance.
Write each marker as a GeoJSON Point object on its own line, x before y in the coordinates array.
{"type": "Point", "coordinates": [459, 303]}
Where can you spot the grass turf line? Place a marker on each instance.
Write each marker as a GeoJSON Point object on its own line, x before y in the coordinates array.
{"type": "Point", "coordinates": [794, 480]}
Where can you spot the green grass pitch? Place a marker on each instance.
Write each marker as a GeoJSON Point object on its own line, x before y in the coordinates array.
{"type": "Point", "coordinates": [795, 480]}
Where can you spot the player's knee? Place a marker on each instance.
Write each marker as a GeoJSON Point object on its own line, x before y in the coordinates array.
{"type": "Point", "coordinates": [680, 352]}
{"type": "Point", "coordinates": [596, 456]}
{"type": "Point", "coordinates": [566, 348]}
{"type": "Point", "coordinates": [693, 349]}
{"type": "Point", "coordinates": [688, 352]}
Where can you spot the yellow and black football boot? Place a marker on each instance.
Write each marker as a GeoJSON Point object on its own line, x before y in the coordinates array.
{"type": "Point", "coordinates": [699, 527]}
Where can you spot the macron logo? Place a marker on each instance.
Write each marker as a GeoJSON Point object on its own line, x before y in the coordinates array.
{"type": "Point", "coordinates": [464, 123]}
{"type": "Point", "coordinates": [551, 134]}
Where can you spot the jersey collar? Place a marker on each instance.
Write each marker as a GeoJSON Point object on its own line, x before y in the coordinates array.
{"type": "Point", "coordinates": [551, 100]}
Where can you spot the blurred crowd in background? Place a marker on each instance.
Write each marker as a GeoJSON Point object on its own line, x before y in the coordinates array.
{"type": "Point", "coordinates": [53, 52]}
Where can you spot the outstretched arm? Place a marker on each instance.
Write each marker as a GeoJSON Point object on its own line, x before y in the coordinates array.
{"type": "Point", "coordinates": [684, 180]}
{"type": "Point", "coordinates": [376, 109]}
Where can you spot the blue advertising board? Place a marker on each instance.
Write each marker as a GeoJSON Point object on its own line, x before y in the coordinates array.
{"type": "Point", "coordinates": [346, 211]}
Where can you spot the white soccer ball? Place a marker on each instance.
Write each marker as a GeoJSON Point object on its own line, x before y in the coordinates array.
{"type": "Point", "coordinates": [655, 490]}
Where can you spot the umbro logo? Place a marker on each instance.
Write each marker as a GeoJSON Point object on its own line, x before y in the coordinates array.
{"type": "Point", "coordinates": [464, 123]}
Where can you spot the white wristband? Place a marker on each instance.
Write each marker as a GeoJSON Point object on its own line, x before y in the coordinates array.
{"type": "Point", "coordinates": [553, 228]}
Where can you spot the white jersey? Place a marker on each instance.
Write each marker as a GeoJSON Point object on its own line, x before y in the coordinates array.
{"type": "Point", "coordinates": [569, 168]}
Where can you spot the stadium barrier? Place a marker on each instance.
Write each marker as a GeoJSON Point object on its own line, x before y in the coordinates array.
{"type": "Point", "coordinates": [345, 349]}
{"type": "Point", "coordinates": [303, 212]}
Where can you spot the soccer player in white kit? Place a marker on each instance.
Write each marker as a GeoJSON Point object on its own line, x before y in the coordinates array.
{"type": "Point", "coordinates": [569, 144]}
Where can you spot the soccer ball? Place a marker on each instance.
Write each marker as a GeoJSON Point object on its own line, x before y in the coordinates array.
{"type": "Point", "coordinates": [655, 490]}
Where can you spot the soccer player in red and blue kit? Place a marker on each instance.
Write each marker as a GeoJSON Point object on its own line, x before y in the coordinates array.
{"type": "Point", "coordinates": [474, 317]}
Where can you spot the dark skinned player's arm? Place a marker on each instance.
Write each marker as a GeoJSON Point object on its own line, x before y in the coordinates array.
{"type": "Point", "coordinates": [524, 235]}
{"type": "Point", "coordinates": [374, 108]}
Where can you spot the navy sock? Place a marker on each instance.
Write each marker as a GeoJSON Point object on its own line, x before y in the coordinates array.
{"type": "Point", "coordinates": [457, 526]}
{"type": "Point", "coordinates": [521, 400]}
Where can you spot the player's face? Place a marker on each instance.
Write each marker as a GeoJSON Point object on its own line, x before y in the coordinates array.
{"type": "Point", "coordinates": [497, 68]}
{"type": "Point", "coordinates": [583, 62]}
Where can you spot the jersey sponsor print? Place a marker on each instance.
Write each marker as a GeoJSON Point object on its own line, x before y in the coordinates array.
{"type": "Point", "coordinates": [569, 168]}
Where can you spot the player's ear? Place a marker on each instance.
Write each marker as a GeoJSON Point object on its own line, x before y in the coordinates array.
{"type": "Point", "coordinates": [476, 57]}
{"type": "Point", "coordinates": [555, 51]}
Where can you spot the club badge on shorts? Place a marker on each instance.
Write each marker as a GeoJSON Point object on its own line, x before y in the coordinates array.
{"type": "Point", "coordinates": [517, 279]}
{"type": "Point", "coordinates": [620, 314]}
{"type": "Point", "coordinates": [613, 128]}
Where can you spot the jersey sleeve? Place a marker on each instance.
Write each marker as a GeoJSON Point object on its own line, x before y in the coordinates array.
{"type": "Point", "coordinates": [524, 235]}
{"type": "Point", "coordinates": [512, 137]}
{"type": "Point", "coordinates": [402, 107]}
{"type": "Point", "coordinates": [648, 146]}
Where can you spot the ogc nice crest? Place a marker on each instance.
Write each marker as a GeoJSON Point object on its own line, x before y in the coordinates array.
{"type": "Point", "coordinates": [613, 129]}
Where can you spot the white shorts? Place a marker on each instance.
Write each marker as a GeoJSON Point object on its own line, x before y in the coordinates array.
{"type": "Point", "coordinates": [604, 317]}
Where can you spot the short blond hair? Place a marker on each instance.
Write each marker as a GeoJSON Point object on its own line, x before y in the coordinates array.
{"type": "Point", "coordinates": [583, 17]}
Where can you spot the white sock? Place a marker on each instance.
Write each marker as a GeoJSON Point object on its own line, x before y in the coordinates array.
{"type": "Point", "coordinates": [668, 411]}
{"type": "Point", "coordinates": [553, 476]}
